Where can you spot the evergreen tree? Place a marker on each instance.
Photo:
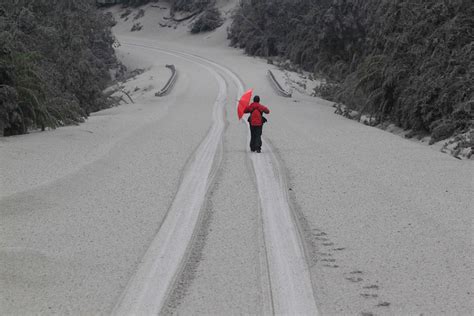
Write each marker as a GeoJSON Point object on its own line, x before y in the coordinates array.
{"type": "Point", "coordinates": [54, 62]}
{"type": "Point", "coordinates": [409, 61]}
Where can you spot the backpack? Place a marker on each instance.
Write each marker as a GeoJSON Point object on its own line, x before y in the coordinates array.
{"type": "Point", "coordinates": [264, 119]}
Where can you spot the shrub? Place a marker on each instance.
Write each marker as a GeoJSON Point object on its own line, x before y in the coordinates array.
{"type": "Point", "coordinates": [136, 3]}
{"type": "Point", "coordinates": [327, 91]}
{"type": "Point", "coordinates": [137, 27]}
{"type": "Point", "coordinates": [140, 14]}
{"type": "Point", "coordinates": [442, 131]}
{"type": "Point", "coordinates": [125, 14]}
{"type": "Point", "coordinates": [190, 5]}
{"type": "Point", "coordinates": [207, 21]}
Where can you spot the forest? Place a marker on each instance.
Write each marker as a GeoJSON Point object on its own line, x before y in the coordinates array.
{"type": "Point", "coordinates": [55, 58]}
{"type": "Point", "coordinates": [410, 62]}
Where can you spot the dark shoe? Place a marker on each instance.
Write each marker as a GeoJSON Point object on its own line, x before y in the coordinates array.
{"type": "Point", "coordinates": [259, 150]}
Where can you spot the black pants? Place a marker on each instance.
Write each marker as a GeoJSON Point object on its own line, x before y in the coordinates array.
{"type": "Point", "coordinates": [255, 138]}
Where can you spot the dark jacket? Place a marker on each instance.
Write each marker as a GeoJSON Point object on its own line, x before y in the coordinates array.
{"type": "Point", "coordinates": [256, 109]}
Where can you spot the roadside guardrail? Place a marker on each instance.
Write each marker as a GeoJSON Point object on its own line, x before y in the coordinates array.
{"type": "Point", "coordinates": [171, 81]}
{"type": "Point", "coordinates": [280, 90]}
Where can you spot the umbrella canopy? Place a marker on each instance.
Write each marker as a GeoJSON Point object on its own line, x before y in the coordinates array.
{"type": "Point", "coordinates": [244, 102]}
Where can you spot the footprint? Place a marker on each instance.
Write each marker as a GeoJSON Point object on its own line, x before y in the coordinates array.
{"type": "Point", "coordinates": [320, 234]}
{"type": "Point", "coordinates": [372, 287]}
{"type": "Point", "coordinates": [366, 295]}
{"type": "Point", "coordinates": [329, 260]}
{"type": "Point", "coordinates": [330, 265]}
{"type": "Point", "coordinates": [357, 272]}
{"type": "Point", "coordinates": [339, 249]}
{"type": "Point", "coordinates": [354, 279]}
{"type": "Point", "coordinates": [328, 244]}
{"type": "Point", "coordinates": [383, 304]}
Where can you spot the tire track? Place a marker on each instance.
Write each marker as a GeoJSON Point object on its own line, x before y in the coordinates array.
{"type": "Point", "coordinates": [289, 276]}
{"type": "Point", "coordinates": [146, 292]}
{"type": "Point", "coordinates": [290, 280]}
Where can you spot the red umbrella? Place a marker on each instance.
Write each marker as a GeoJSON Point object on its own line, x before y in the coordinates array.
{"type": "Point", "coordinates": [244, 102]}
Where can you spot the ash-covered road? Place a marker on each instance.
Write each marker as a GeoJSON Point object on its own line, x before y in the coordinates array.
{"type": "Point", "coordinates": [160, 207]}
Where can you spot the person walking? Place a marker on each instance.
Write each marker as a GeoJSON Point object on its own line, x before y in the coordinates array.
{"type": "Point", "coordinates": [256, 121]}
